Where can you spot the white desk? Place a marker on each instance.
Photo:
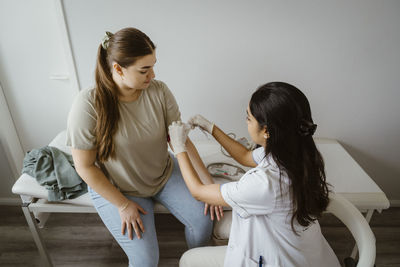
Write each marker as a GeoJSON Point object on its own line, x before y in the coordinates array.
{"type": "Point", "coordinates": [342, 172]}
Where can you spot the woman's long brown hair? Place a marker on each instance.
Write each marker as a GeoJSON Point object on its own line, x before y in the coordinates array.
{"type": "Point", "coordinates": [124, 47]}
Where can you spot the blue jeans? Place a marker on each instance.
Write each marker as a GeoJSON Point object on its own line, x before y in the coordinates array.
{"type": "Point", "coordinates": [176, 197]}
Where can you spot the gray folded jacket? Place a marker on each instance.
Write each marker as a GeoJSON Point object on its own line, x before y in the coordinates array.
{"type": "Point", "coordinates": [54, 170]}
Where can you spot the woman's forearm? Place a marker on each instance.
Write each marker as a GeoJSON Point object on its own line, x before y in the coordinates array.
{"type": "Point", "coordinates": [210, 194]}
{"type": "Point", "coordinates": [240, 153]}
{"type": "Point", "coordinates": [198, 164]}
{"type": "Point", "coordinates": [96, 179]}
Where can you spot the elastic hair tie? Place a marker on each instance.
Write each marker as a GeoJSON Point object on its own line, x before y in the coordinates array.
{"type": "Point", "coordinates": [307, 128]}
{"type": "Point", "coordinates": [106, 40]}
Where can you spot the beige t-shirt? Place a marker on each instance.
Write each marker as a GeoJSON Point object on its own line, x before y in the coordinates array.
{"type": "Point", "coordinates": [142, 164]}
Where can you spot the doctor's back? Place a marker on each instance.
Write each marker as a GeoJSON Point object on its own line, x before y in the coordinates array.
{"type": "Point", "coordinates": [262, 210]}
{"type": "Point", "coordinates": [276, 205]}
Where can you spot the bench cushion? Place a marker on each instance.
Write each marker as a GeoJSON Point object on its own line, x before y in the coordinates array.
{"type": "Point", "coordinates": [27, 187]}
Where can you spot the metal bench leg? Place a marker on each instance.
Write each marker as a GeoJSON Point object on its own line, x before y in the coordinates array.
{"type": "Point", "coordinates": [36, 235]}
{"type": "Point", "coordinates": [368, 217]}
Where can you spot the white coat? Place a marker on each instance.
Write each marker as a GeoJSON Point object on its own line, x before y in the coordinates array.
{"type": "Point", "coordinates": [261, 216]}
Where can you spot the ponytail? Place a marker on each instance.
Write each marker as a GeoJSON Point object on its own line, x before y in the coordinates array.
{"type": "Point", "coordinates": [106, 105]}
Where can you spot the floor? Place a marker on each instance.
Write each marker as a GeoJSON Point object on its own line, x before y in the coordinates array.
{"type": "Point", "coordinates": [82, 240]}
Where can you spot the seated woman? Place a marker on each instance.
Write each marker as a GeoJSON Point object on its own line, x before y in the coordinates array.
{"type": "Point", "coordinates": [276, 204]}
{"type": "Point", "coordinates": [118, 132]}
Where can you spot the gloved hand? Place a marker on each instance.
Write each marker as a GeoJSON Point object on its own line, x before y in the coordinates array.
{"type": "Point", "coordinates": [202, 122]}
{"type": "Point", "coordinates": [178, 133]}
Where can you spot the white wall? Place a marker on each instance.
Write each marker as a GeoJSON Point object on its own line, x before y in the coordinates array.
{"type": "Point", "coordinates": [31, 52]}
{"type": "Point", "coordinates": [33, 107]}
{"type": "Point", "coordinates": [213, 54]}
{"type": "Point", "coordinates": [11, 154]}
{"type": "Point", "coordinates": [6, 179]}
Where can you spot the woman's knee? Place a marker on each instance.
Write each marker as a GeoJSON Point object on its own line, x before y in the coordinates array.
{"type": "Point", "coordinates": [143, 257]}
{"type": "Point", "coordinates": [205, 224]}
{"type": "Point", "coordinates": [141, 252]}
{"type": "Point", "coordinates": [199, 232]}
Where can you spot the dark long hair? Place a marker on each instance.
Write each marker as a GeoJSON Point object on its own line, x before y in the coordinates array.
{"type": "Point", "coordinates": [124, 47]}
{"type": "Point", "coordinates": [285, 112]}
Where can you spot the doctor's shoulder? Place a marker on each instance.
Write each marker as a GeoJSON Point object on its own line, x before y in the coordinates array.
{"type": "Point", "coordinates": [259, 179]}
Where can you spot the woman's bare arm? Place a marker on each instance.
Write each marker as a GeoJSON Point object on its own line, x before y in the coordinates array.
{"type": "Point", "coordinates": [84, 161]}
{"type": "Point", "coordinates": [210, 194]}
{"type": "Point", "coordinates": [240, 153]}
{"type": "Point", "coordinates": [197, 163]}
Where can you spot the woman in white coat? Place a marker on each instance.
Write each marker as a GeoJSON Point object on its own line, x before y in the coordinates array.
{"type": "Point", "coordinates": [277, 203]}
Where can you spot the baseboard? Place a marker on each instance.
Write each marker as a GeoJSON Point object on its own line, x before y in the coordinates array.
{"type": "Point", "coordinates": [394, 203]}
{"type": "Point", "coordinates": [10, 201]}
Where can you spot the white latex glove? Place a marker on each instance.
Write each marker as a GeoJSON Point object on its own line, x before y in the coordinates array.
{"type": "Point", "coordinates": [178, 133]}
{"type": "Point", "coordinates": [202, 122]}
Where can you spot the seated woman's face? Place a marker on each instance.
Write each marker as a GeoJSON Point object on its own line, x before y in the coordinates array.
{"type": "Point", "coordinates": [139, 75]}
{"type": "Point", "coordinates": [256, 134]}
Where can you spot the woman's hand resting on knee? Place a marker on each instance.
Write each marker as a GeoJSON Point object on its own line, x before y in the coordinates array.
{"type": "Point", "coordinates": [130, 218]}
